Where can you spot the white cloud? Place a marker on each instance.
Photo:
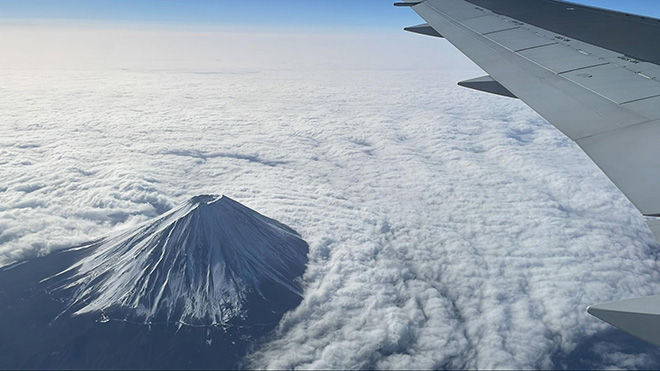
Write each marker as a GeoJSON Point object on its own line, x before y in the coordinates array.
{"type": "Point", "coordinates": [447, 228]}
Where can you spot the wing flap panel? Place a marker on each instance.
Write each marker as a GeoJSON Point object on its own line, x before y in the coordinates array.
{"type": "Point", "coordinates": [519, 39]}
{"type": "Point", "coordinates": [561, 58]}
{"type": "Point", "coordinates": [647, 107]}
{"type": "Point", "coordinates": [489, 23]}
{"type": "Point", "coordinates": [462, 10]}
{"type": "Point", "coordinates": [616, 83]}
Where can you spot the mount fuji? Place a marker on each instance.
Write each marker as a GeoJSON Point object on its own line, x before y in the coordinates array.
{"type": "Point", "coordinates": [193, 288]}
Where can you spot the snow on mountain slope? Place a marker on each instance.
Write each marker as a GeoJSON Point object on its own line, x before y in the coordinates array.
{"type": "Point", "coordinates": [196, 264]}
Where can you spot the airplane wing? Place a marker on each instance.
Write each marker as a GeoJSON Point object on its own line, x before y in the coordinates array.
{"type": "Point", "coordinates": [593, 73]}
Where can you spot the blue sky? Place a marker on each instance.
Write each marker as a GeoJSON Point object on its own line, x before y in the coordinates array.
{"type": "Point", "coordinates": [290, 13]}
{"type": "Point", "coordinates": [218, 12]}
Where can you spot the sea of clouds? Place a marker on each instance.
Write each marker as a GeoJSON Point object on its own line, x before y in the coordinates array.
{"type": "Point", "coordinates": [448, 228]}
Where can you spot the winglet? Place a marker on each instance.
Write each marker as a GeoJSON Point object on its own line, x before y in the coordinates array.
{"type": "Point", "coordinates": [487, 84]}
{"type": "Point", "coordinates": [639, 317]}
{"type": "Point", "coordinates": [423, 29]}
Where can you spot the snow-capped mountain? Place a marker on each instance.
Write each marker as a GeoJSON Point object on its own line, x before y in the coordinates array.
{"type": "Point", "coordinates": [208, 278]}
{"type": "Point", "coordinates": [194, 265]}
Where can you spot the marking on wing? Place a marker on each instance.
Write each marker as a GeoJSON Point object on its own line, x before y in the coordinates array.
{"type": "Point", "coordinates": [462, 11]}
{"type": "Point", "coordinates": [519, 39]}
{"type": "Point", "coordinates": [489, 23]}
{"type": "Point", "coordinates": [616, 83]}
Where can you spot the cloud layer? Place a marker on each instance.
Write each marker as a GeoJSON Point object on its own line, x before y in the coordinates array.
{"type": "Point", "coordinates": [447, 228]}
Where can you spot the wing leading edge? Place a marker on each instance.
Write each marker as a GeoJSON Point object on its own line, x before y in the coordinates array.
{"type": "Point", "coordinates": [594, 74]}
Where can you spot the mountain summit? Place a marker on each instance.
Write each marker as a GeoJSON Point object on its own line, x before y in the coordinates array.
{"type": "Point", "coordinates": [197, 264]}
